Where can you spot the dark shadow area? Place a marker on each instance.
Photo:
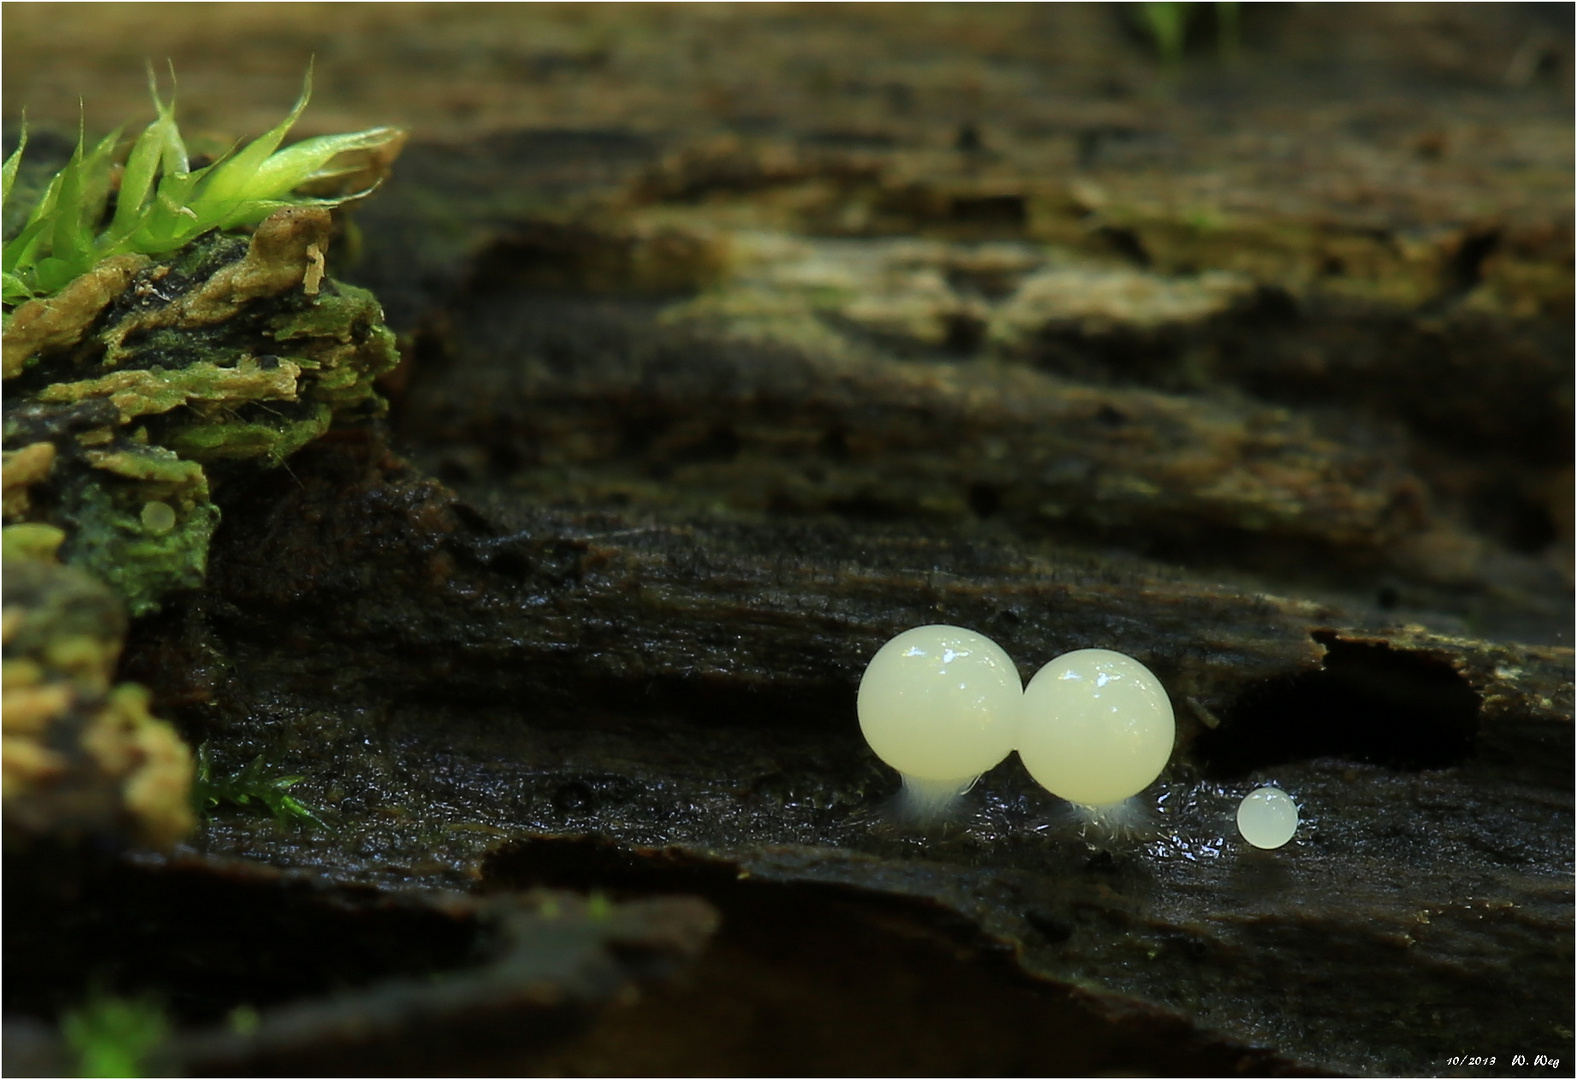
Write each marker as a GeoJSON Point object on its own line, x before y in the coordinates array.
{"type": "Point", "coordinates": [1368, 703]}
{"type": "Point", "coordinates": [204, 942]}
{"type": "Point", "coordinates": [546, 257]}
{"type": "Point", "coordinates": [1465, 269]}
{"type": "Point", "coordinates": [861, 983]}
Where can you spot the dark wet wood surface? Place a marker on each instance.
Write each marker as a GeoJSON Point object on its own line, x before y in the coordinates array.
{"type": "Point", "coordinates": [738, 340]}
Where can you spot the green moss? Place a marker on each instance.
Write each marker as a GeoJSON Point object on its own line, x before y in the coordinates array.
{"type": "Point", "coordinates": [62, 605]}
{"type": "Point", "coordinates": [243, 1020]}
{"type": "Point", "coordinates": [339, 315]}
{"type": "Point", "coordinates": [31, 542]}
{"type": "Point", "coordinates": [165, 344]}
{"type": "Point", "coordinates": [241, 365]}
{"type": "Point", "coordinates": [115, 1036]}
{"type": "Point", "coordinates": [250, 788]}
{"type": "Point", "coordinates": [111, 540]}
{"type": "Point", "coordinates": [161, 202]}
{"type": "Point", "coordinates": [271, 440]}
{"type": "Point", "coordinates": [345, 344]}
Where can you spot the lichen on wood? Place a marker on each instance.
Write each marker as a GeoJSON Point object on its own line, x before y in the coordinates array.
{"type": "Point", "coordinates": [217, 354]}
{"type": "Point", "coordinates": [83, 755]}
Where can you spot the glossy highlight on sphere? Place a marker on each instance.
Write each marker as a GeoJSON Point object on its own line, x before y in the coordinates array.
{"type": "Point", "coordinates": [1098, 727]}
{"type": "Point", "coordinates": [1267, 817]}
{"type": "Point", "coordinates": [941, 703]}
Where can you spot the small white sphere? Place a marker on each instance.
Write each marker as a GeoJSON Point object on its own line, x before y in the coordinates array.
{"type": "Point", "coordinates": [158, 517]}
{"type": "Point", "coordinates": [941, 704]}
{"type": "Point", "coordinates": [1098, 727]}
{"type": "Point", "coordinates": [1267, 817]}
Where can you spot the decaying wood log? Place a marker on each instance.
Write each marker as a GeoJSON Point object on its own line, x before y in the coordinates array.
{"type": "Point", "coordinates": [720, 371]}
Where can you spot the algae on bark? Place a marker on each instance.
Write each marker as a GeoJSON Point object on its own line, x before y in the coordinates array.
{"type": "Point", "coordinates": [124, 391]}
{"type": "Point", "coordinates": [143, 375]}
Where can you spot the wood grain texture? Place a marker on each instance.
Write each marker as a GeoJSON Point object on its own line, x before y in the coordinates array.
{"type": "Point", "coordinates": [739, 339]}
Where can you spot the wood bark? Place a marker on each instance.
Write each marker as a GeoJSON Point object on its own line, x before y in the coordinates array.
{"type": "Point", "coordinates": [737, 342]}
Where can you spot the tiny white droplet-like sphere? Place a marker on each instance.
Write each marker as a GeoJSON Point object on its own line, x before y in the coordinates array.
{"type": "Point", "coordinates": [1267, 817]}
{"type": "Point", "coordinates": [941, 703]}
{"type": "Point", "coordinates": [158, 517]}
{"type": "Point", "coordinates": [1098, 727]}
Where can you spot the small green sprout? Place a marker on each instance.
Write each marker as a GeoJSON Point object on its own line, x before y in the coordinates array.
{"type": "Point", "coordinates": [244, 1020]}
{"type": "Point", "coordinates": [249, 788]}
{"type": "Point", "coordinates": [114, 1036]}
{"type": "Point", "coordinates": [1167, 25]}
{"type": "Point", "coordinates": [162, 203]}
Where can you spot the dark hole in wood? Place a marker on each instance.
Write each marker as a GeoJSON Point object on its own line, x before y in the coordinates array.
{"type": "Point", "coordinates": [964, 334]}
{"type": "Point", "coordinates": [504, 458]}
{"type": "Point", "coordinates": [574, 797]}
{"type": "Point", "coordinates": [1126, 243]}
{"type": "Point", "coordinates": [550, 257]}
{"type": "Point", "coordinates": [866, 508]}
{"type": "Point", "coordinates": [990, 210]}
{"type": "Point", "coordinates": [1519, 523]}
{"type": "Point", "coordinates": [543, 256]}
{"type": "Point", "coordinates": [1108, 417]}
{"type": "Point", "coordinates": [984, 499]}
{"type": "Point", "coordinates": [1272, 304]}
{"type": "Point", "coordinates": [993, 284]}
{"type": "Point", "coordinates": [637, 433]}
{"type": "Point", "coordinates": [509, 561]}
{"type": "Point", "coordinates": [454, 471]}
{"type": "Point", "coordinates": [1053, 928]}
{"type": "Point", "coordinates": [1121, 357]}
{"type": "Point", "coordinates": [1465, 268]}
{"type": "Point", "coordinates": [835, 445]}
{"type": "Point", "coordinates": [473, 519]}
{"type": "Point", "coordinates": [1368, 703]}
{"type": "Point", "coordinates": [845, 139]}
{"type": "Point", "coordinates": [1102, 862]}
{"type": "Point", "coordinates": [1549, 63]}
{"type": "Point", "coordinates": [720, 444]}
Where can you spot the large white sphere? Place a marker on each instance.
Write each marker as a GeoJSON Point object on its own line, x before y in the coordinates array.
{"type": "Point", "coordinates": [1098, 727]}
{"type": "Point", "coordinates": [941, 703]}
{"type": "Point", "coordinates": [1267, 817]}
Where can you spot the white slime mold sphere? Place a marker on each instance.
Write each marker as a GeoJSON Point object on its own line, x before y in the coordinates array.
{"type": "Point", "coordinates": [1267, 817]}
{"type": "Point", "coordinates": [1098, 727]}
{"type": "Point", "coordinates": [940, 704]}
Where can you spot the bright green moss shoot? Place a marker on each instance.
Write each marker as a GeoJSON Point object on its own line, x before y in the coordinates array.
{"type": "Point", "coordinates": [161, 202]}
{"type": "Point", "coordinates": [114, 1036]}
{"type": "Point", "coordinates": [250, 788]}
